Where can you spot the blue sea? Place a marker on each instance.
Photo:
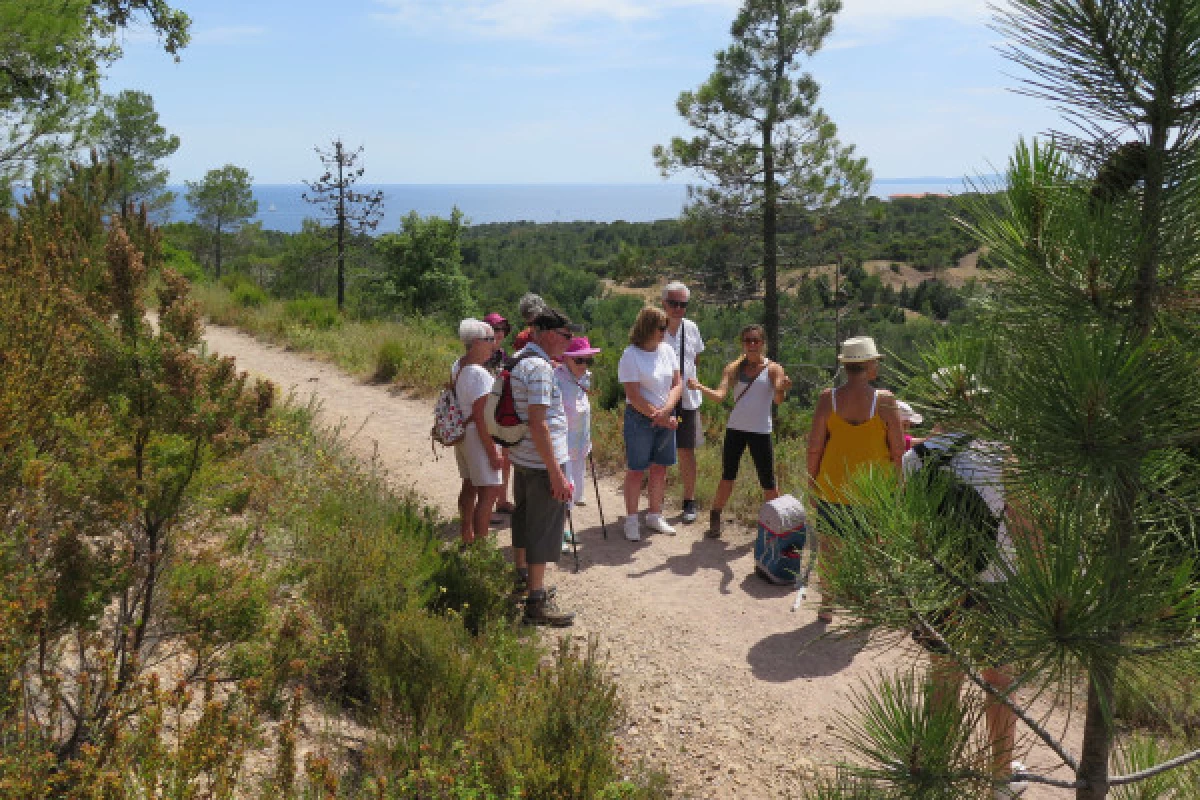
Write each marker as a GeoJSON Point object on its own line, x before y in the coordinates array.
{"type": "Point", "coordinates": [281, 207]}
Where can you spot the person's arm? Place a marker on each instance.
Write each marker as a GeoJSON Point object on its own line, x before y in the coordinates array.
{"type": "Point", "coordinates": [539, 429]}
{"type": "Point", "coordinates": [780, 382]}
{"type": "Point", "coordinates": [666, 415]}
{"type": "Point", "coordinates": [818, 435]}
{"type": "Point", "coordinates": [478, 412]}
{"type": "Point", "coordinates": [889, 412]}
{"type": "Point", "coordinates": [633, 396]}
{"type": "Point", "coordinates": [722, 391]}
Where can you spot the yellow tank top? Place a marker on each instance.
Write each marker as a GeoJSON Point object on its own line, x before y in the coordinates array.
{"type": "Point", "coordinates": [848, 449]}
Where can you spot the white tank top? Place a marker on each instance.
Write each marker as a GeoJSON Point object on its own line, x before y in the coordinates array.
{"type": "Point", "coordinates": [752, 414]}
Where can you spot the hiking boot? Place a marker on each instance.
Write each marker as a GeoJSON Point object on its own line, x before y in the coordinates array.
{"type": "Point", "coordinates": [540, 609]}
{"type": "Point", "coordinates": [714, 524]}
{"type": "Point", "coordinates": [1012, 789]}
{"type": "Point", "coordinates": [689, 512]}
{"type": "Point", "coordinates": [655, 522]}
{"type": "Point", "coordinates": [631, 528]}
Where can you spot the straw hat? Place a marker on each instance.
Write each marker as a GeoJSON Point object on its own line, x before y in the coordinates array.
{"type": "Point", "coordinates": [858, 350]}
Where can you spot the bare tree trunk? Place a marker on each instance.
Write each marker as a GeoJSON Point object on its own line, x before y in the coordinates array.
{"type": "Point", "coordinates": [217, 257]}
{"type": "Point", "coordinates": [341, 227]}
{"type": "Point", "coordinates": [770, 263]}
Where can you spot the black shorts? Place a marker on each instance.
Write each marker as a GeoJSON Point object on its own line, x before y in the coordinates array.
{"type": "Point", "coordinates": [762, 450]}
{"type": "Point", "coordinates": [688, 434]}
{"type": "Point", "coordinates": [537, 519]}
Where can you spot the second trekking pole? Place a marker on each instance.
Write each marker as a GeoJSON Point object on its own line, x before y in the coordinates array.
{"type": "Point", "coordinates": [596, 485]}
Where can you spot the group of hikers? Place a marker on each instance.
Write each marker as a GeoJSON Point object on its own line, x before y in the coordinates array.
{"type": "Point", "coordinates": [855, 427]}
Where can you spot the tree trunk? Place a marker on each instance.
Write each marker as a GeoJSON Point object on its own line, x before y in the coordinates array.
{"type": "Point", "coordinates": [217, 256]}
{"type": "Point", "coordinates": [770, 263]}
{"type": "Point", "coordinates": [341, 229]}
{"type": "Point", "coordinates": [1098, 733]}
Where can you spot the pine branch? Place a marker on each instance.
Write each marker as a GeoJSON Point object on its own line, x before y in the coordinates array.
{"type": "Point", "coordinates": [1166, 766]}
{"type": "Point", "coordinates": [977, 679]}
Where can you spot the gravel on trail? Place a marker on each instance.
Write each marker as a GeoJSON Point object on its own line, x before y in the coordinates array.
{"type": "Point", "coordinates": [730, 691]}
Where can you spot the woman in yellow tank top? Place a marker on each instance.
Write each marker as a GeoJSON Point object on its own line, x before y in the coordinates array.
{"type": "Point", "coordinates": [854, 427]}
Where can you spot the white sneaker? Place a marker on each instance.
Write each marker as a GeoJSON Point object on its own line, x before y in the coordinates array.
{"type": "Point", "coordinates": [631, 529]}
{"type": "Point", "coordinates": [1012, 789]}
{"type": "Point", "coordinates": [566, 542]}
{"type": "Point", "coordinates": [655, 522]}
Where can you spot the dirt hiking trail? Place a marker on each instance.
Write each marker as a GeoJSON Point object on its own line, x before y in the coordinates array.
{"type": "Point", "coordinates": [728, 689]}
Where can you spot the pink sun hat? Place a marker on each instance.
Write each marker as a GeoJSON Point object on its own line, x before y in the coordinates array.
{"type": "Point", "coordinates": [579, 347]}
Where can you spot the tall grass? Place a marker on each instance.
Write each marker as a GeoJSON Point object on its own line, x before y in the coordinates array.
{"type": "Point", "coordinates": [414, 354]}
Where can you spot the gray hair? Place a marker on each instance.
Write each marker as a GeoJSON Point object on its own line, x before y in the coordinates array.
{"type": "Point", "coordinates": [676, 286]}
{"type": "Point", "coordinates": [471, 330]}
{"type": "Point", "coordinates": [531, 305]}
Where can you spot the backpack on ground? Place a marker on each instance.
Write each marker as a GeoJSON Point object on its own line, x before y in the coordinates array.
{"type": "Point", "coordinates": [782, 535]}
{"type": "Point", "coordinates": [449, 421]}
{"type": "Point", "coordinates": [960, 509]}
{"type": "Point", "coordinates": [500, 412]}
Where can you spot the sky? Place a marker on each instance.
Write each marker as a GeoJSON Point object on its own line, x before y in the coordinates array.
{"type": "Point", "coordinates": [553, 91]}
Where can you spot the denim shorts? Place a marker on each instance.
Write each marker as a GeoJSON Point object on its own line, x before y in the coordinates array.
{"type": "Point", "coordinates": [646, 444]}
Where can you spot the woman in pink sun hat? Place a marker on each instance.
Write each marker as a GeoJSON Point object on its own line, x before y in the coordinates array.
{"type": "Point", "coordinates": [574, 378]}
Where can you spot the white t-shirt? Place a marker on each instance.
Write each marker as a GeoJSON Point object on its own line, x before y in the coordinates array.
{"type": "Point", "coordinates": [652, 370]}
{"type": "Point", "coordinates": [980, 465]}
{"type": "Point", "coordinates": [692, 398]}
{"type": "Point", "coordinates": [474, 384]}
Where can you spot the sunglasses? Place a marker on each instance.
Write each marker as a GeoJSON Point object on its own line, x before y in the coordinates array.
{"type": "Point", "coordinates": [677, 303]}
{"type": "Point", "coordinates": [486, 339]}
{"type": "Point", "coordinates": [662, 328]}
{"type": "Point", "coordinates": [751, 341]}
{"type": "Point", "coordinates": [588, 361]}
{"type": "Point", "coordinates": [565, 334]}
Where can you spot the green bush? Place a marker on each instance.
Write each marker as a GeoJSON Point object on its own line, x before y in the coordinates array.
{"type": "Point", "coordinates": [389, 361]}
{"type": "Point", "coordinates": [247, 295]}
{"type": "Point", "coordinates": [319, 313]}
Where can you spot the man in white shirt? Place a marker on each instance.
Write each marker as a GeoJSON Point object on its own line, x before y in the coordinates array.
{"type": "Point", "coordinates": [682, 334]}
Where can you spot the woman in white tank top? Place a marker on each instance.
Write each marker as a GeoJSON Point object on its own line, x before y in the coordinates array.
{"type": "Point", "coordinates": [756, 384]}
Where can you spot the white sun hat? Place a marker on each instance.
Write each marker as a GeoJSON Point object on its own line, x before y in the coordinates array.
{"type": "Point", "coordinates": [859, 349]}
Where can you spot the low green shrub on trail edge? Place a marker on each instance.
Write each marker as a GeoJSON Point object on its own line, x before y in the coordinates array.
{"type": "Point", "coordinates": [381, 619]}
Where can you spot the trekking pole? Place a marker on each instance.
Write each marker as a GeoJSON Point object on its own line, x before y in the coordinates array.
{"type": "Point", "coordinates": [596, 486]}
{"type": "Point", "coordinates": [574, 541]}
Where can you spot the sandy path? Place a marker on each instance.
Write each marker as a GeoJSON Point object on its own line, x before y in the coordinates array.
{"type": "Point", "coordinates": [730, 690]}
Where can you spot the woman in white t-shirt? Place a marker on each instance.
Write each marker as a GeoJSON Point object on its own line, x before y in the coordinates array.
{"type": "Point", "coordinates": [649, 371]}
{"type": "Point", "coordinates": [479, 459]}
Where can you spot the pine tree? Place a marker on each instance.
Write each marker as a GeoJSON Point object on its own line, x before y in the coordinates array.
{"type": "Point", "coordinates": [763, 141]}
{"type": "Point", "coordinates": [1092, 377]}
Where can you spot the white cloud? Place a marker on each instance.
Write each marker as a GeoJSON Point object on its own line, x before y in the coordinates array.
{"type": "Point", "coordinates": [860, 20]}
{"type": "Point", "coordinates": [529, 19]}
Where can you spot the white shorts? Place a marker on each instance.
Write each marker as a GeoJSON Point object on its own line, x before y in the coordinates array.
{"type": "Point", "coordinates": [473, 464]}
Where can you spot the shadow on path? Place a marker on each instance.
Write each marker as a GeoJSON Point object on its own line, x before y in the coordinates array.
{"type": "Point", "coordinates": [715, 554]}
{"type": "Point", "coordinates": [807, 652]}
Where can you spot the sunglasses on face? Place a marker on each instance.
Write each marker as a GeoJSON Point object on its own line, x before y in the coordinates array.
{"type": "Point", "coordinates": [486, 339]}
{"type": "Point", "coordinates": [751, 341]}
{"type": "Point", "coordinates": [587, 362]}
{"type": "Point", "coordinates": [677, 303]}
{"type": "Point", "coordinates": [662, 328]}
{"type": "Point", "coordinates": [565, 334]}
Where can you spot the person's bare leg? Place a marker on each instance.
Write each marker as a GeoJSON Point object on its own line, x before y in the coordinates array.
{"type": "Point", "coordinates": [482, 519]}
{"type": "Point", "coordinates": [633, 492]}
{"type": "Point", "coordinates": [724, 491]}
{"type": "Point", "coordinates": [687, 472]}
{"type": "Point", "coordinates": [946, 678]}
{"type": "Point", "coordinates": [537, 577]}
{"type": "Point", "coordinates": [1001, 723]}
{"type": "Point", "coordinates": [656, 488]}
{"type": "Point", "coordinates": [466, 512]}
